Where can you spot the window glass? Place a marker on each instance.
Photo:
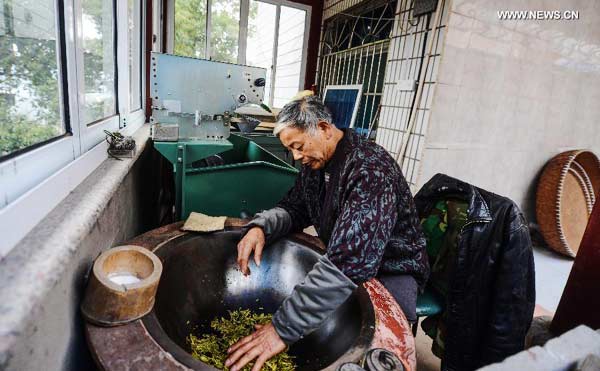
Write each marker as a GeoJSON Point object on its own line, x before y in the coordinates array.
{"type": "Point", "coordinates": [98, 41]}
{"type": "Point", "coordinates": [225, 29]}
{"type": "Point", "coordinates": [261, 39]}
{"type": "Point", "coordinates": [29, 75]}
{"type": "Point", "coordinates": [290, 47]}
{"type": "Point", "coordinates": [190, 28]}
{"type": "Point", "coordinates": [135, 54]}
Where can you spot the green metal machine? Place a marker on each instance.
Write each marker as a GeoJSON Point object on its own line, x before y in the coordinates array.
{"type": "Point", "coordinates": [216, 172]}
{"type": "Point", "coordinates": [247, 179]}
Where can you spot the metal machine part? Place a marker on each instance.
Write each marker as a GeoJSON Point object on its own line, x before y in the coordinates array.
{"type": "Point", "coordinates": [201, 281]}
{"type": "Point", "coordinates": [195, 93]}
{"type": "Point", "coordinates": [245, 124]}
{"type": "Point", "coordinates": [165, 132]}
{"type": "Point", "coordinates": [245, 178]}
{"type": "Point", "coordinates": [190, 126]}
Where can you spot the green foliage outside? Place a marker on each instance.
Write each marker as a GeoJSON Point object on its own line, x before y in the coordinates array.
{"type": "Point", "coordinates": [29, 80]}
{"type": "Point", "coordinates": [30, 65]}
{"type": "Point", "coordinates": [190, 28]}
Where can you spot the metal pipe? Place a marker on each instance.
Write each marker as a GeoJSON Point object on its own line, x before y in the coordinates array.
{"type": "Point", "coordinates": [376, 81]}
{"type": "Point", "coordinates": [368, 85]}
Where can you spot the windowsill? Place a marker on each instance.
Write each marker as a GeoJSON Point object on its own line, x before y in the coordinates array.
{"type": "Point", "coordinates": [34, 266]}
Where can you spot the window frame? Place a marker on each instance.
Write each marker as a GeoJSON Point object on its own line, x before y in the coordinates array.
{"type": "Point", "coordinates": [93, 132]}
{"type": "Point", "coordinates": [53, 153]}
{"type": "Point", "coordinates": [35, 179]}
{"type": "Point", "coordinates": [142, 60]}
{"type": "Point", "coordinates": [243, 35]}
{"type": "Point", "coordinates": [137, 117]}
{"type": "Point", "coordinates": [307, 24]}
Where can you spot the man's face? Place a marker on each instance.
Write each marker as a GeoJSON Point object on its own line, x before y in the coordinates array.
{"type": "Point", "coordinates": [312, 150]}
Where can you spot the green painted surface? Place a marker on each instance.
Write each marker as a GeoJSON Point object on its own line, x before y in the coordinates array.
{"type": "Point", "coordinates": [195, 150]}
{"type": "Point", "coordinates": [273, 145]}
{"type": "Point", "coordinates": [251, 179]}
{"type": "Point", "coordinates": [429, 304]}
{"type": "Point", "coordinates": [232, 189]}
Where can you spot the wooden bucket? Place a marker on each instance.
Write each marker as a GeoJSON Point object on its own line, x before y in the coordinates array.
{"type": "Point", "coordinates": [566, 193]}
{"type": "Point", "coordinates": [122, 286]}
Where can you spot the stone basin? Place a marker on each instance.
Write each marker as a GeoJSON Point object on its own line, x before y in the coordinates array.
{"type": "Point", "coordinates": [201, 281]}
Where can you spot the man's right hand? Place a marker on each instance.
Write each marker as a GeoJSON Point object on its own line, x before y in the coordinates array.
{"type": "Point", "coordinates": [254, 240]}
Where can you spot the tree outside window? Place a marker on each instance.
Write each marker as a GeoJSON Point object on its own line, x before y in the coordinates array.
{"type": "Point", "coordinates": [29, 91]}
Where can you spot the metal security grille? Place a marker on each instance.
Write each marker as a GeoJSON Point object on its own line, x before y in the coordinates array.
{"type": "Point", "coordinates": [405, 63]}
{"type": "Point", "coordinates": [354, 50]}
{"type": "Point", "coordinates": [333, 7]}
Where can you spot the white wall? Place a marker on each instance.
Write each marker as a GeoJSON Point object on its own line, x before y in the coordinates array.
{"type": "Point", "coordinates": [512, 94]}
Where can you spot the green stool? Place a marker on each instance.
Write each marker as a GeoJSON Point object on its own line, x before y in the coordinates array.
{"type": "Point", "coordinates": [428, 304]}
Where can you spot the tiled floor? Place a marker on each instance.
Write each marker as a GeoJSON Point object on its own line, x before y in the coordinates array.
{"type": "Point", "coordinates": [551, 274]}
{"type": "Point", "coordinates": [426, 361]}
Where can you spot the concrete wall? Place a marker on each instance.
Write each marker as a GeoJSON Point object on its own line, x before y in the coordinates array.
{"type": "Point", "coordinates": [512, 94]}
{"type": "Point", "coordinates": [43, 278]}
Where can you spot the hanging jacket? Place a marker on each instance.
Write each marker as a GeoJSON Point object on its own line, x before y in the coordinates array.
{"type": "Point", "coordinates": [491, 292]}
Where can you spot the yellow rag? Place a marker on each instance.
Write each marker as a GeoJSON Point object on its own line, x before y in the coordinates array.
{"type": "Point", "coordinates": [198, 222]}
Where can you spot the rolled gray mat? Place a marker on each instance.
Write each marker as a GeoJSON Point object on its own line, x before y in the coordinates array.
{"type": "Point", "coordinates": [350, 367]}
{"type": "Point", "coordinates": [382, 360]}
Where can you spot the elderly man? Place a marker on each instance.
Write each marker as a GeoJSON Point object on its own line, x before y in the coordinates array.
{"type": "Point", "coordinates": [355, 195]}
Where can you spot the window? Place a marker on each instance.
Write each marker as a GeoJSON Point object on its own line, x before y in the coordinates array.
{"type": "Point", "coordinates": [225, 30]}
{"type": "Point", "coordinates": [268, 34]}
{"type": "Point", "coordinates": [30, 97]}
{"type": "Point", "coordinates": [62, 83]}
{"type": "Point", "coordinates": [135, 54]}
{"type": "Point", "coordinates": [354, 50]}
{"type": "Point", "coordinates": [98, 41]}
{"type": "Point", "coordinates": [262, 20]}
{"type": "Point", "coordinates": [190, 28]}
{"type": "Point", "coordinates": [290, 55]}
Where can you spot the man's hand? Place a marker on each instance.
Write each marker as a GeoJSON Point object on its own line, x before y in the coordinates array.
{"type": "Point", "coordinates": [262, 345]}
{"type": "Point", "coordinates": [254, 240]}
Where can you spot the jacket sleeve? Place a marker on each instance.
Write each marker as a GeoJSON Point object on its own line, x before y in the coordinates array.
{"type": "Point", "coordinates": [323, 290]}
{"type": "Point", "coordinates": [275, 223]}
{"type": "Point", "coordinates": [364, 226]}
{"type": "Point", "coordinates": [514, 296]}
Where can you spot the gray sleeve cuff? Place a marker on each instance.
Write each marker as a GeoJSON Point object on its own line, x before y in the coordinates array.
{"type": "Point", "coordinates": [275, 223]}
{"type": "Point", "coordinates": [323, 290]}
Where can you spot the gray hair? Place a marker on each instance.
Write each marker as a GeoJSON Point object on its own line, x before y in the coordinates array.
{"type": "Point", "coordinates": [304, 114]}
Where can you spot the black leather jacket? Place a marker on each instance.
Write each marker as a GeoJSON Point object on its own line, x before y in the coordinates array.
{"type": "Point", "coordinates": [491, 296]}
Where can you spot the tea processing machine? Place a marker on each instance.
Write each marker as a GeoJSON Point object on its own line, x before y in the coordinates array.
{"type": "Point", "coordinates": [194, 102]}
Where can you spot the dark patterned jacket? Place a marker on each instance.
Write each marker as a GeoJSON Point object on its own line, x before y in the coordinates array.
{"type": "Point", "coordinates": [362, 209]}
